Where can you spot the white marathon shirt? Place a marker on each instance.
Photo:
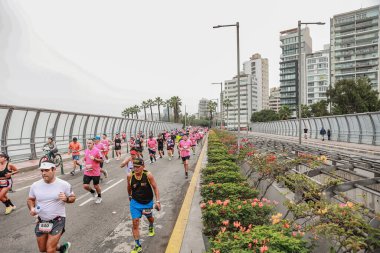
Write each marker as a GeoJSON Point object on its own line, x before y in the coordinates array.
{"type": "Point", "coordinates": [46, 196]}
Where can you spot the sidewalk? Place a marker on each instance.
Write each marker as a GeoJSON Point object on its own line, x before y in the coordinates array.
{"type": "Point", "coordinates": [332, 145]}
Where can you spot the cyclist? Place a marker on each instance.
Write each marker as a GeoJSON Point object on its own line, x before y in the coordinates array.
{"type": "Point", "coordinates": [47, 198]}
{"type": "Point", "coordinates": [141, 185]}
{"type": "Point", "coordinates": [74, 149]}
{"type": "Point", "coordinates": [92, 159]}
{"type": "Point", "coordinates": [52, 148]}
{"type": "Point", "coordinates": [106, 147]}
{"type": "Point", "coordinates": [101, 148]}
{"type": "Point", "coordinates": [152, 146]}
{"type": "Point", "coordinates": [117, 141]}
{"type": "Point", "coordinates": [6, 171]}
{"type": "Point", "coordinates": [184, 148]}
{"type": "Point", "coordinates": [160, 146]}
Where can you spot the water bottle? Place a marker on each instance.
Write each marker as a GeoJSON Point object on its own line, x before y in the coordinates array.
{"type": "Point", "coordinates": [37, 209]}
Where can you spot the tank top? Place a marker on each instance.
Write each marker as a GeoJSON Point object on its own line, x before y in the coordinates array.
{"type": "Point", "coordinates": [117, 142]}
{"type": "Point", "coordinates": [5, 171]}
{"type": "Point", "coordinates": [141, 189]}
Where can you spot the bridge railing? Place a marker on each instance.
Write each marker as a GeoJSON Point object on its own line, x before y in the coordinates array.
{"type": "Point", "coordinates": [24, 130]}
{"type": "Point", "coordinates": [361, 128]}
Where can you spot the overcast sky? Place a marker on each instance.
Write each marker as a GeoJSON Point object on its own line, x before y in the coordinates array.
{"type": "Point", "coordinates": [135, 50]}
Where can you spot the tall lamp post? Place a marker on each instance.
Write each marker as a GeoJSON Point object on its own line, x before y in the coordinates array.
{"type": "Point", "coordinates": [238, 75]}
{"type": "Point", "coordinates": [221, 104]}
{"type": "Point", "coordinates": [217, 101]}
{"type": "Point", "coordinates": [300, 23]}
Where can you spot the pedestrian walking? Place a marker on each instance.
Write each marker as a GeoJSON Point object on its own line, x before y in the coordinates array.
{"type": "Point", "coordinates": [329, 134]}
{"type": "Point", "coordinates": [322, 132]}
{"type": "Point", "coordinates": [305, 132]}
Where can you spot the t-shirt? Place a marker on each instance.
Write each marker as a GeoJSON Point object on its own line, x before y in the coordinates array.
{"type": "Point", "coordinates": [185, 146]}
{"type": "Point", "coordinates": [170, 143]}
{"type": "Point", "coordinates": [193, 140]}
{"type": "Point", "coordinates": [160, 142]}
{"type": "Point", "coordinates": [106, 144]}
{"type": "Point", "coordinates": [100, 146]}
{"type": "Point", "coordinates": [46, 196]}
{"type": "Point", "coordinates": [75, 146]}
{"type": "Point", "coordinates": [152, 143]}
{"type": "Point", "coordinates": [92, 168]}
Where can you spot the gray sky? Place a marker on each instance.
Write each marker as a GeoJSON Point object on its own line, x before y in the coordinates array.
{"type": "Point", "coordinates": [122, 52]}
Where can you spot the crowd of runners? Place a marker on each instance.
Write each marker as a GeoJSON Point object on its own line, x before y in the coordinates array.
{"type": "Point", "coordinates": [48, 196]}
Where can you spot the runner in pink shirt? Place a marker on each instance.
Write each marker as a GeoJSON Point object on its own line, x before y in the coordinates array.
{"type": "Point", "coordinates": [106, 143]}
{"type": "Point", "coordinates": [92, 159]}
{"type": "Point", "coordinates": [152, 147]}
{"type": "Point", "coordinates": [184, 147]}
{"type": "Point", "coordinates": [193, 142]}
{"type": "Point", "coordinates": [101, 147]}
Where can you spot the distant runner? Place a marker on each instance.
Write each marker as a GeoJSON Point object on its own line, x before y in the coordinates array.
{"type": "Point", "coordinates": [74, 149]}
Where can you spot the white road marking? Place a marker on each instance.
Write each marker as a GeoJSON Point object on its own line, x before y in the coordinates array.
{"type": "Point", "coordinates": [105, 190]}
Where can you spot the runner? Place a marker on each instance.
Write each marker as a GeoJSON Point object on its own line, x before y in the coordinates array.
{"type": "Point", "coordinates": [139, 145]}
{"type": "Point", "coordinates": [141, 185]}
{"type": "Point", "coordinates": [129, 161]}
{"type": "Point", "coordinates": [193, 141]}
{"type": "Point", "coordinates": [47, 198]}
{"type": "Point", "coordinates": [170, 147]}
{"type": "Point", "coordinates": [92, 160]}
{"type": "Point", "coordinates": [106, 144]}
{"type": "Point", "coordinates": [101, 148]}
{"type": "Point", "coordinates": [124, 136]}
{"type": "Point", "coordinates": [6, 171]}
{"type": "Point", "coordinates": [184, 147]}
{"type": "Point", "coordinates": [160, 142]}
{"type": "Point", "coordinates": [117, 142]}
{"type": "Point", "coordinates": [178, 138]}
{"type": "Point", "coordinates": [74, 148]}
{"type": "Point", "coordinates": [151, 143]}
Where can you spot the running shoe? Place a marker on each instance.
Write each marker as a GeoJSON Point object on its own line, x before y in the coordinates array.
{"type": "Point", "coordinates": [65, 247]}
{"type": "Point", "coordinates": [98, 200]}
{"type": "Point", "coordinates": [72, 173]}
{"type": "Point", "coordinates": [94, 195]}
{"type": "Point", "coordinates": [151, 231]}
{"type": "Point", "coordinates": [137, 249]}
{"type": "Point", "coordinates": [186, 175]}
{"type": "Point", "coordinates": [8, 210]}
{"type": "Point", "coordinates": [13, 207]}
{"type": "Point", "coordinates": [107, 161]}
{"type": "Point", "coordinates": [105, 173]}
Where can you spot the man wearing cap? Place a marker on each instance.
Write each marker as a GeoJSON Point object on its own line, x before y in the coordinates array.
{"type": "Point", "coordinates": [141, 185]}
{"type": "Point", "coordinates": [47, 199]}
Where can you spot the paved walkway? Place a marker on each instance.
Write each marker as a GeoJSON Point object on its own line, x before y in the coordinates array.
{"type": "Point", "coordinates": [331, 145]}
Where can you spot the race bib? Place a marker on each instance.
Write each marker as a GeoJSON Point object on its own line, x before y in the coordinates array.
{"type": "Point", "coordinates": [3, 183]}
{"type": "Point", "coordinates": [45, 227]}
{"type": "Point", "coordinates": [88, 167]}
{"type": "Point", "coordinates": [184, 146]}
{"type": "Point", "coordinates": [147, 211]}
{"type": "Point", "coordinates": [118, 144]}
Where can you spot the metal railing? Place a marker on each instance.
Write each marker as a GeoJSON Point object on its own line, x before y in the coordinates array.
{"type": "Point", "coordinates": [24, 130]}
{"type": "Point", "coordinates": [361, 128]}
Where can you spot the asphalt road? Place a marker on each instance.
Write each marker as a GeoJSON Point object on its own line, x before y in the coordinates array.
{"type": "Point", "coordinates": [105, 227]}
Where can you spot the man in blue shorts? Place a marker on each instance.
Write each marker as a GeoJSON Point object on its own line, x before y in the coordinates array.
{"type": "Point", "coordinates": [141, 185]}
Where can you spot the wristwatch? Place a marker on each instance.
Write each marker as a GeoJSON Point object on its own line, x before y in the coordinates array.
{"type": "Point", "coordinates": [67, 199]}
{"type": "Point", "coordinates": [157, 201]}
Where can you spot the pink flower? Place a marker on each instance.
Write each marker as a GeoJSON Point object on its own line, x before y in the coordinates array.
{"type": "Point", "coordinates": [245, 202]}
{"type": "Point", "coordinates": [342, 205]}
{"type": "Point", "coordinates": [210, 202]}
{"type": "Point", "coordinates": [226, 222]}
{"type": "Point", "coordinates": [250, 246]}
{"type": "Point", "coordinates": [294, 233]}
{"type": "Point", "coordinates": [223, 229]}
{"type": "Point", "coordinates": [256, 200]}
{"type": "Point", "coordinates": [225, 203]}
{"type": "Point", "coordinates": [261, 204]}
{"type": "Point", "coordinates": [215, 251]}
{"type": "Point", "coordinates": [255, 241]}
{"type": "Point", "coordinates": [275, 202]}
{"type": "Point", "coordinates": [239, 206]}
{"type": "Point", "coordinates": [203, 205]}
{"type": "Point", "coordinates": [211, 183]}
{"type": "Point", "coordinates": [263, 249]}
{"type": "Point", "coordinates": [264, 200]}
{"type": "Point", "coordinates": [219, 202]}
{"type": "Point", "coordinates": [236, 224]}
{"type": "Point", "coordinates": [253, 204]}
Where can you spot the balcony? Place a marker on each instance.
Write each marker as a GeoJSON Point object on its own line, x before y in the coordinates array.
{"type": "Point", "coordinates": [367, 24]}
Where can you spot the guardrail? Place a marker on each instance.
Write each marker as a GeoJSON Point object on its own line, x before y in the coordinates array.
{"type": "Point", "coordinates": [361, 128]}
{"type": "Point", "coordinates": [24, 130]}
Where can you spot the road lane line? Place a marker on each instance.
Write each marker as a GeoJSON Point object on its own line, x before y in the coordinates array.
{"type": "Point", "coordinates": [175, 241]}
{"type": "Point", "coordinates": [110, 181]}
{"type": "Point", "coordinates": [23, 188]}
{"type": "Point", "coordinates": [118, 182]}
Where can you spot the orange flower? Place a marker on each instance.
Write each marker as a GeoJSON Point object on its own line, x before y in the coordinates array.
{"type": "Point", "coordinates": [225, 203]}
{"type": "Point", "coordinates": [239, 206]}
{"type": "Point", "coordinates": [223, 229]}
{"type": "Point", "coordinates": [236, 224]}
{"type": "Point", "coordinates": [203, 205]}
{"type": "Point", "coordinates": [261, 204]}
{"type": "Point", "coordinates": [215, 251]}
{"type": "Point", "coordinates": [255, 241]}
{"type": "Point", "coordinates": [254, 204]}
{"type": "Point", "coordinates": [210, 202]}
{"type": "Point", "coordinates": [226, 222]}
{"type": "Point", "coordinates": [219, 202]}
{"type": "Point", "coordinates": [350, 204]}
{"type": "Point", "coordinates": [286, 225]}
{"type": "Point", "coordinates": [263, 249]}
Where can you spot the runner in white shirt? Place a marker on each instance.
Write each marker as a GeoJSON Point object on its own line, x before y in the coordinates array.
{"type": "Point", "coordinates": [47, 198]}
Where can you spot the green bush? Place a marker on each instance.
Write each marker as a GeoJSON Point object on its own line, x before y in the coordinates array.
{"type": "Point", "coordinates": [246, 212]}
{"type": "Point", "coordinates": [218, 157]}
{"type": "Point", "coordinates": [224, 163]}
{"type": "Point", "coordinates": [228, 191]}
{"type": "Point", "coordinates": [275, 238]}
{"type": "Point", "coordinates": [209, 170]}
{"type": "Point", "coordinates": [223, 177]}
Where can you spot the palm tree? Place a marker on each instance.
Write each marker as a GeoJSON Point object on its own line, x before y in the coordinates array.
{"type": "Point", "coordinates": [167, 104]}
{"type": "Point", "coordinates": [144, 105]}
{"type": "Point", "coordinates": [159, 101]}
{"type": "Point", "coordinates": [227, 103]}
{"type": "Point", "coordinates": [284, 112]}
{"type": "Point", "coordinates": [175, 103]}
{"type": "Point", "coordinates": [124, 113]}
{"type": "Point", "coordinates": [136, 110]}
{"type": "Point", "coordinates": [211, 107]}
{"type": "Point", "coordinates": [150, 104]}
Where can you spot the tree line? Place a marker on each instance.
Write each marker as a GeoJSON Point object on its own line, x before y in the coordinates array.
{"type": "Point", "coordinates": [347, 96]}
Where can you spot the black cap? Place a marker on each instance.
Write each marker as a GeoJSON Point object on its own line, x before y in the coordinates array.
{"type": "Point", "coordinates": [138, 162]}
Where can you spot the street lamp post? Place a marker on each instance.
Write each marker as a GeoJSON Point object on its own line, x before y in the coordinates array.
{"type": "Point", "coordinates": [221, 104]}
{"type": "Point", "coordinates": [238, 75]}
{"type": "Point", "coordinates": [217, 102]}
{"type": "Point", "coordinates": [299, 75]}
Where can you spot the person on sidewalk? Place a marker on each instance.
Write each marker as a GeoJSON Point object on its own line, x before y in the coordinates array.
{"type": "Point", "coordinates": [329, 134]}
{"type": "Point", "coordinates": [322, 132]}
{"type": "Point", "coordinates": [141, 185]}
{"type": "Point", "coordinates": [305, 132]}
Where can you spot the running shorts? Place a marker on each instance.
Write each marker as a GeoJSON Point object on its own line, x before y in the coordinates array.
{"type": "Point", "coordinates": [58, 226]}
{"type": "Point", "coordinates": [87, 179]}
{"type": "Point", "coordinates": [184, 158]}
{"type": "Point", "coordinates": [137, 209]}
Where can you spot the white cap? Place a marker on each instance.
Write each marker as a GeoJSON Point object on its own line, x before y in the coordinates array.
{"type": "Point", "coordinates": [47, 165]}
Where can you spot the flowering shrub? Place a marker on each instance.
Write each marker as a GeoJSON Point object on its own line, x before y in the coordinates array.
{"type": "Point", "coordinates": [217, 157]}
{"type": "Point", "coordinates": [231, 214]}
{"type": "Point", "coordinates": [223, 177]}
{"type": "Point", "coordinates": [260, 239]}
{"type": "Point", "coordinates": [227, 191]}
{"type": "Point", "coordinates": [209, 170]}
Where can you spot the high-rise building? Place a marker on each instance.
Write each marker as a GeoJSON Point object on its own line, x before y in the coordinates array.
{"type": "Point", "coordinates": [202, 108]}
{"type": "Point", "coordinates": [258, 68]}
{"type": "Point", "coordinates": [354, 40]}
{"type": "Point", "coordinates": [249, 100]}
{"type": "Point", "coordinates": [289, 66]}
{"type": "Point", "coordinates": [274, 99]}
{"type": "Point", "coordinates": [317, 75]}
